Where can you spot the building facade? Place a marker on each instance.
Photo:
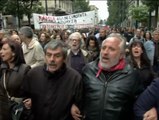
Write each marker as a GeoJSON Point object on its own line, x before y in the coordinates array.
{"type": "Point", "coordinates": [57, 7]}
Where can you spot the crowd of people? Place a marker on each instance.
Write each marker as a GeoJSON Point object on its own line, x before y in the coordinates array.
{"type": "Point", "coordinates": [105, 74]}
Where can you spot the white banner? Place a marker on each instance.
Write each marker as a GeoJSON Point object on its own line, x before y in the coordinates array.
{"type": "Point", "coordinates": [79, 20]}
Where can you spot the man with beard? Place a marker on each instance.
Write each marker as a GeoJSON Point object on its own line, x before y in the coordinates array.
{"type": "Point", "coordinates": [76, 56]}
{"type": "Point", "coordinates": [53, 87]}
{"type": "Point", "coordinates": [110, 84]}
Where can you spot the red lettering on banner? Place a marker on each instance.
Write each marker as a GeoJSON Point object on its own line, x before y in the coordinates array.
{"type": "Point", "coordinates": [47, 19]}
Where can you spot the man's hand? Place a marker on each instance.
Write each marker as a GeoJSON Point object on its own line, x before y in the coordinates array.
{"type": "Point", "coordinates": [75, 112]}
{"type": "Point", "coordinates": [151, 114]}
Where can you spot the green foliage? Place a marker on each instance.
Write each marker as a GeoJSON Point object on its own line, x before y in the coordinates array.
{"type": "Point", "coordinates": [113, 12]}
{"type": "Point", "coordinates": [117, 11]}
{"type": "Point", "coordinates": [26, 7]}
{"type": "Point", "coordinates": [139, 13]}
{"type": "Point", "coordinates": [2, 4]}
{"type": "Point", "coordinates": [38, 8]}
{"type": "Point", "coordinates": [80, 6]}
{"type": "Point", "coordinates": [151, 3]}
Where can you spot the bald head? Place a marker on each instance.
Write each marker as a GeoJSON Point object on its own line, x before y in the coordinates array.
{"type": "Point", "coordinates": [16, 38]}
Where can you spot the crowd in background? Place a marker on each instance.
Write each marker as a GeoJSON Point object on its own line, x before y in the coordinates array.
{"type": "Point", "coordinates": [27, 49]}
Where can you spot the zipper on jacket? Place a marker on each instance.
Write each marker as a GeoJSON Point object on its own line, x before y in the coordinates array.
{"type": "Point", "coordinates": [103, 100]}
{"type": "Point", "coordinates": [104, 92]}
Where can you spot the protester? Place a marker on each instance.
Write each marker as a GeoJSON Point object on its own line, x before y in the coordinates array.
{"type": "Point", "coordinates": [58, 37]}
{"type": "Point", "coordinates": [149, 99]}
{"type": "Point", "coordinates": [53, 87]}
{"type": "Point", "coordinates": [139, 60]}
{"type": "Point", "coordinates": [33, 52]}
{"type": "Point", "coordinates": [137, 35]}
{"type": "Point", "coordinates": [156, 55]}
{"type": "Point", "coordinates": [110, 84]}
{"type": "Point", "coordinates": [44, 39]}
{"type": "Point", "coordinates": [16, 38]}
{"type": "Point", "coordinates": [149, 46]}
{"type": "Point", "coordinates": [92, 47]}
{"type": "Point", "coordinates": [65, 36]}
{"type": "Point", "coordinates": [102, 36]}
{"type": "Point", "coordinates": [12, 72]}
{"type": "Point", "coordinates": [76, 56]}
{"type": "Point", "coordinates": [128, 34]}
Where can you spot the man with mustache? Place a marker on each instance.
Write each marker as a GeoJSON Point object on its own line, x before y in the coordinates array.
{"type": "Point", "coordinates": [110, 84]}
{"type": "Point", "coordinates": [53, 87]}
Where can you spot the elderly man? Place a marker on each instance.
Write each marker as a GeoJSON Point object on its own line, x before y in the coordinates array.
{"type": "Point", "coordinates": [33, 52]}
{"type": "Point", "coordinates": [53, 87]}
{"type": "Point", "coordinates": [110, 84]}
{"type": "Point", "coordinates": [76, 56]}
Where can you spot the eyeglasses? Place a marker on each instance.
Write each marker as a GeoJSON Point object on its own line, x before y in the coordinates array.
{"type": "Point", "coordinates": [76, 40]}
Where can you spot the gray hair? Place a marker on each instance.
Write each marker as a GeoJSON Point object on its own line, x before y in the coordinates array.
{"type": "Point", "coordinates": [54, 44]}
{"type": "Point", "coordinates": [77, 34]}
{"type": "Point", "coordinates": [27, 31]}
{"type": "Point", "coordinates": [121, 38]}
{"type": "Point", "coordinates": [155, 32]}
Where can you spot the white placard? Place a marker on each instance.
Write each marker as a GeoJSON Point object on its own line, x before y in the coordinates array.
{"type": "Point", "coordinates": [79, 20]}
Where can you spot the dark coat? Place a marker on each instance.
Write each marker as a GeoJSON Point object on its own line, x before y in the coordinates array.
{"type": "Point", "coordinates": [14, 80]}
{"type": "Point", "coordinates": [53, 94]}
{"type": "Point", "coordinates": [85, 56]}
{"type": "Point", "coordinates": [145, 72]}
{"type": "Point", "coordinates": [148, 99]}
{"type": "Point", "coordinates": [109, 96]}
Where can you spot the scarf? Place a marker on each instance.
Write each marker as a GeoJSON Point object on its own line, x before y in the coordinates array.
{"type": "Point", "coordinates": [119, 66]}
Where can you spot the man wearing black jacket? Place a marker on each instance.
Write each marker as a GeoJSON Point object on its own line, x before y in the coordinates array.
{"type": "Point", "coordinates": [53, 87]}
{"type": "Point", "coordinates": [110, 84]}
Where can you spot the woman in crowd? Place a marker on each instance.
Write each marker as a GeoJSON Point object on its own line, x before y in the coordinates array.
{"type": "Point", "coordinates": [44, 38]}
{"type": "Point", "coordinates": [92, 47]}
{"type": "Point", "coordinates": [58, 37]}
{"type": "Point", "coordinates": [12, 71]}
{"type": "Point", "coordinates": [65, 35]}
{"type": "Point", "coordinates": [139, 60]}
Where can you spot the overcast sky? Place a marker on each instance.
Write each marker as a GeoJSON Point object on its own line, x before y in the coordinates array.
{"type": "Point", "coordinates": [102, 6]}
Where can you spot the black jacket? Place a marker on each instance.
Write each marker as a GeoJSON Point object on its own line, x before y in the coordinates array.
{"type": "Point", "coordinates": [109, 96]}
{"type": "Point", "coordinates": [53, 94]}
{"type": "Point", "coordinates": [14, 79]}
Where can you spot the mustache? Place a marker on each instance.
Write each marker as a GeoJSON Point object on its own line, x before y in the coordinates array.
{"type": "Point", "coordinates": [52, 64]}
